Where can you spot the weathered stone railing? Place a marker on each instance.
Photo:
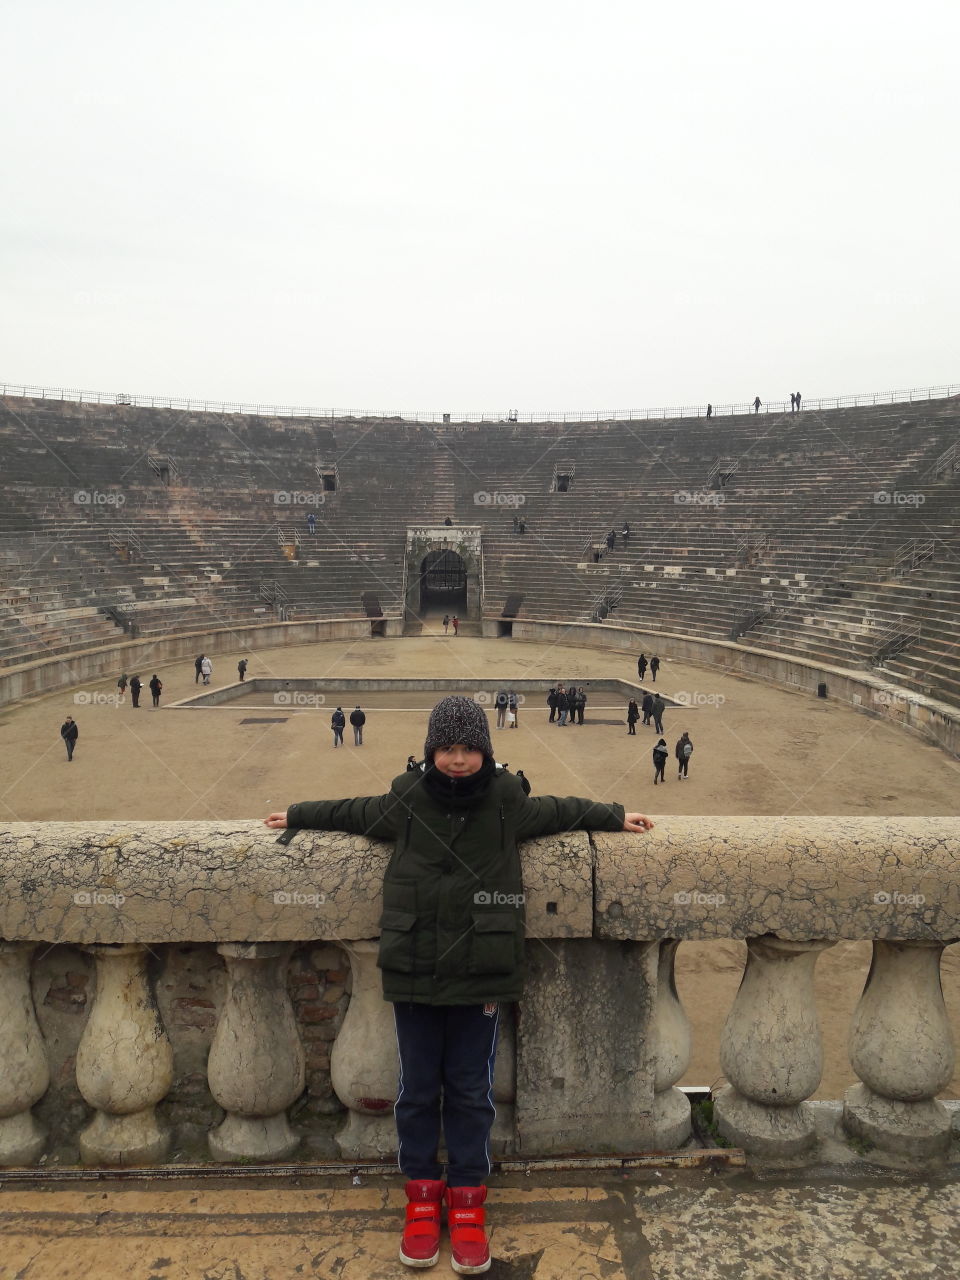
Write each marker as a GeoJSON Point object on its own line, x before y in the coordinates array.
{"type": "Point", "coordinates": [199, 928]}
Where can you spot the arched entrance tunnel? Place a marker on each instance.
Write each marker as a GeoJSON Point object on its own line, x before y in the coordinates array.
{"type": "Point", "coordinates": [443, 583]}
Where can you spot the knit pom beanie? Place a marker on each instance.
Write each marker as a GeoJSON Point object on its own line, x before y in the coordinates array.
{"type": "Point", "coordinates": [457, 719]}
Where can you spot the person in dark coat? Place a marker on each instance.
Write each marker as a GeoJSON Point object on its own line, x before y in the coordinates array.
{"type": "Point", "coordinates": [633, 715]}
{"type": "Point", "coordinates": [683, 751]}
{"type": "Point", "coordinates": [358, 720]}
{"type": "Point", "coordinates": [581, 703]}
{"type": "Point", "coordinates": [654, 668]}
{"type": "Point", "coordinates": [412, 764]}
{"type": "Point", "coordinates": [647, 707]}
{"type": "Point", "coordinates": [642, 666]}
{"type": "Point", "coordinates": [156, 688]}
{"type": "Point", "coordinates": [337, 723]}
{"type": "Point", "coordinates": [756, 404]}
{"type": "Point", "coordinates": [524, 781]}
{"type": "Point", "coordinates": [552, 702]}
{"type": "Point", "coordinates": [242, 669]}
{"type": "Point", "coordinates": [446, 981]}
{"type": "Point", "coordinates": [709, 410]}
{"type": "Point", "coordinates": [500, 702]}
{"type": "Point", "coordinates": [657, 710]}
{"type": "Point", "coordinates": [572, 704]}
{"type": "Point", "coordinates": [660, 755]}
{"type": "Point", "coordinates": [198, 668]}
{"type": "Point", "coordinates": [135, 687]}
{"type": "Point", "coordinates": [798, 401]}
{"type": "Point", "coordinates": [69, 733]}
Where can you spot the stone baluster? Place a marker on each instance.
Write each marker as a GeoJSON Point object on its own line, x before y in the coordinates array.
{"type": "Point", "coordinates": [670, 1034]}
{"type": "Point", "coordinates": [24, 1073]}
{"type": "Point", "coordinates": [256, 1066]}
{"type": "Point", "coordinates": [124, 1062]}
{"type": "Point", "coordinates": [902, 1050]}
{"type": "Point", "coordinates": [363, 1063]}
{"type": "Point", "coordinates": [771, 1051]}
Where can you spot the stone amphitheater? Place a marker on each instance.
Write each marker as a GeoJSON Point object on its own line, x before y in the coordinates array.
{"type": "Point", "coordinates": [698, 995]}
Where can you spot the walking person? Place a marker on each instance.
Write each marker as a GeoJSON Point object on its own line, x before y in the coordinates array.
{"type": "Point", "coordinates": [156, 688]}
{"type": "Point", "coordinates": [69, 733]}
{"type": "Point", "coordinates": [242, 669]}
{"type": "Point", "coordinates": [337, 723]}
{"type": "Point", "coordinates": [657, 711]}
{"type": "Point", "coordinates": [122, 686]}
{"type": "Point", "coordinates": [358, 720]}
{"type": "Point", "coordinates": [207, 668]}
{"type": "Point", "coordinates": [633, 715]}
{"type": "Point", "coordinates": [135, 687]}
{"type": "Point", "coordinates": [456, 625]}
{"type": "Point", "coordinates": [500, 701]}
{"type": "Point", "coordinates": [311, 524]}
{"type": "Point", "coordinates": [198, 668]}
{"type": "Point", "coordinates": [446, 622]}
{"type": "Point", "coordinates": [756, 404]}
{"type": "Point", "coordinates": [654, 668]}
{"type": "Point", "coordinates": [647, 707]}
{"type": "Point", "coordinates": [447, 982]}
{"type": "Point", "coordinates": [660, 754]}
{"type": "Point", "coordinates": [513, 709]}
{"type": "Point", "coordinates": [684, 750]}
{"type": "Point", "coordinates": [642, 666]}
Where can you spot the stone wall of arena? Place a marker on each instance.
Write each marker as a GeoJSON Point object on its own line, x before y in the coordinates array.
{"type": "Point", "coordinates": [933, 721]}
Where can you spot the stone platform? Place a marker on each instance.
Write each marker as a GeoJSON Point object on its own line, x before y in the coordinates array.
{"type": "Point", "coordinates": [645, 1225]}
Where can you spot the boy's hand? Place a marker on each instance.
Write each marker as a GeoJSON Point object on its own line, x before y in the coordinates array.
{"type": "Point", "coordinates": [636, 822]}
{"type": "Point", "coordinates": [276, 821]}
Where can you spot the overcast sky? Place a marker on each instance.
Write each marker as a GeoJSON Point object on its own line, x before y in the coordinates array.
{"type": "Point", "coordinates": [439, 205]}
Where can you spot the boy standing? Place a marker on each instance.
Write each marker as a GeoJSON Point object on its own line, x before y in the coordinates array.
{"type": "Point", "coordinates": [449, 957]}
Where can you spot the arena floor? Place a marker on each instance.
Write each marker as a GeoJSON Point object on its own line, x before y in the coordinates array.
{"type": "Point", "coordinates": [758, 750]}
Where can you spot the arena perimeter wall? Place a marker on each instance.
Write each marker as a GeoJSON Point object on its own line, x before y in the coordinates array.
{"type": "Point", "coordinates": [936, 722]}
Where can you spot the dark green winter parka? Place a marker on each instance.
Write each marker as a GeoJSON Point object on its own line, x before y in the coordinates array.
{"type": "Point", "coordinates": [452, 928]}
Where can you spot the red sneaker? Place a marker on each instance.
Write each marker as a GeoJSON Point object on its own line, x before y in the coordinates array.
{"type": "Point", "coordinates": [468, 1240]}
{"type": "Point", "coordinates": [420, 1246]}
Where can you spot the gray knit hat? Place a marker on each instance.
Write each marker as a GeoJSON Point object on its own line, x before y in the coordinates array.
{"type": "Point", "coordinates": [458, 719]}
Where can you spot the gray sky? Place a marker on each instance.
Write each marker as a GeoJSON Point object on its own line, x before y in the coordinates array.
{"type": "Point", "coordinates": [440, 205]}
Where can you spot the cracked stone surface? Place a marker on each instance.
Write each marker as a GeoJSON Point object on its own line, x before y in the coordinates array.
{"type": "Point", "coordinates": [156, 882]}
{"type": "Point", "coordinates": [842, 877]}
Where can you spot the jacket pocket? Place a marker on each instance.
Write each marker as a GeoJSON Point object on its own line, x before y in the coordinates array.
{"type": "Point", "coordinates": [397, 940]}
{"type": "Point", "coordinates": [495, 942]}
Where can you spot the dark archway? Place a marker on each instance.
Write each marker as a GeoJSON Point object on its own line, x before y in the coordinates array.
{"type": "Point", "coordinates": [443, 582]}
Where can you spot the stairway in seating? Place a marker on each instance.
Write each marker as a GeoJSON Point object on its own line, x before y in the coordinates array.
{"type": "Point", "coordinates": [444, 491]}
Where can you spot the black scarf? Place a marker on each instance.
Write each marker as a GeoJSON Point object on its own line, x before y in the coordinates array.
{"type": "Point", "coordinates": [460, 793]}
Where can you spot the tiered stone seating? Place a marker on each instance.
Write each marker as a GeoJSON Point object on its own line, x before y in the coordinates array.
{"type": "Point", "coordinates": [816, 579]}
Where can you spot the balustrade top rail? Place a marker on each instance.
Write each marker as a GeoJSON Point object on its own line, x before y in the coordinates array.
{"type": "Point", "coordinates": [691, 877]}
{"type": "Point", "coordinates": [857, 400]}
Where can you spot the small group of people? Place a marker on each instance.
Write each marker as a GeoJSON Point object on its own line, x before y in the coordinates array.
{"type": "Point", "coordinates": [652, 706]}
{"type": "Point", "coordinates": [338, 722]}
{"type": "Point", "coordinates": [642, 664]}
{"type": "Point", "coordinates": [566, 704]}
{"type": "Point", "coordinates": [519, 524]}
{"type": "Point", "coordinates": [136, 684]}
{"type": "Point", "coordinates": [203, 667]}
{"type": "Point", "coordinates": [508, 709]}
{"type": "Point", "coordinates": [683, 751]}
{"type": "Point", "coordinates": [611, 538]}
{"type": "Point", "coordinates": [449, 621]}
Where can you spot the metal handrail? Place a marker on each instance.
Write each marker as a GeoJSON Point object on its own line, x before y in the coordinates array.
{"type": "Point", "coordinates": [508, 416]}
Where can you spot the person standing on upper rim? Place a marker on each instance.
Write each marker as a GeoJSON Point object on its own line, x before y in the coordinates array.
{"type": "Point", "coordinates": [756, 404]}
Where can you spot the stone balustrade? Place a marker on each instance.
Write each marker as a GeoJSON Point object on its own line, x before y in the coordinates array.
{"type": "Point", "coordinates": [160, 975]}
